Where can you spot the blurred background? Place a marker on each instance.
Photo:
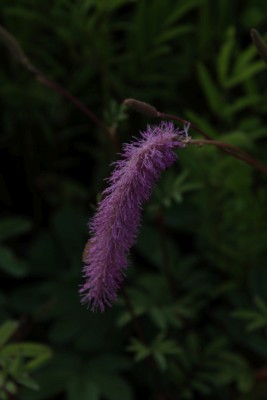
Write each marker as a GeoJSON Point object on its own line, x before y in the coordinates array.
{"type": "Point", "coordinates": [191, 319]}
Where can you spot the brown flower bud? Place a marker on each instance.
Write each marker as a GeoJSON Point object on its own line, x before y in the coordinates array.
{"type": "Point", "coordinates": [141, 107]}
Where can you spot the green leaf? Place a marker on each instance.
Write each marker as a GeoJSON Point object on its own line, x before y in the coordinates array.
{"type": "Point", "coordinates": [110, 6]}
{"type": "Point", "coordinates": [166, 346]}
{"type": "Point", "coordinates": [2, 378]}
{"type": "Point", "coordinates": [247, 73]}
{"type": "Point", "coordinates": [261, 305]}
{"type": "Point", "coordinates": [244, 59]}
{"type": "Point", "coordinates": [160, 360]}
{"type": "Point", "coordinates": [140, 349]}
{"type": "Point", "coordinates": [256, 319]}
{"type": "Point", "coordinates": [38, 353]}
{"type": "Point", "coordinates": [11, 264]}
{"type": "Point", "coordinates": [224, 56]}
{"type": "Point", "coordinates": [201, 387]}
{"type": "Point", "coordinates": [113, 387]}
{"type": "Point", "coordinates": [257, 324]}
{"type": "Point", "coordinates": [158, 317]}
{"type": "Point", "coordinates": [173, 33]}
{"type": "Point", "coordinates": [178, 13]}
{"type": "Point", "coordinates": [7, 329]}
{"type": "Point", "coordinates": [28, 382]}
{"type": "Point", "coordinates": [11, 387]}
{"type": "Point", "coordinates": [201, 122]}
{"type": "Point", "coordinates": [241, 104]}
{"type": "Point", "coordinates": [126, 317]}
{"type": "Point", "coordinates": [245, 314]}
{"type": "Point", "coordinates": [52, 382]}
{"type": "Point", "coordinates": [238, 138]}
{"type": "Point", "coordinates": [83, 385]}
{"type": "Point", "coordinates": [210, 90]}
{"type": "Point", "coordinates": [14, 226]}
{"type": "Point", "coordinates": [3, 395]}
{"type": "Point", "coordinates": [160, 348]}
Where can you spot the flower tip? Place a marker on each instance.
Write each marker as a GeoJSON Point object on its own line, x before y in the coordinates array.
{"type": "Point", "coordinates": [142, 107]}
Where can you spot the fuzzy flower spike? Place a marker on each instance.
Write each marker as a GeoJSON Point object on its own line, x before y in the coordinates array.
{"type": "Point", "coordinates": [115, 225]}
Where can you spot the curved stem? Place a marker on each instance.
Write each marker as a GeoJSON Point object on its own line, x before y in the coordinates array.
{"type": "Point", "coordinates": [234, 151]}
{"type": "Point", "coordinates": [151, 111]}
{"type": "Point", "coordinates": [226, 148]}
{"type": "Point", "coordinates": [17, 51]}
{"type": "Point", "coordinates": [65, 93]}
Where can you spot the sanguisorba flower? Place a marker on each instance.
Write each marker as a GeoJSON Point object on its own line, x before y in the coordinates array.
{"type": "Point", "coordinates": [115, 225]}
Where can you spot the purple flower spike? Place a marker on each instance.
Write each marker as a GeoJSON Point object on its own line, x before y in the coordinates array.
{"type": "Point", "coordinates": [115, 225]}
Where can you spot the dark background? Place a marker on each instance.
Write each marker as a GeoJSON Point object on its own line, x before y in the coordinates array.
{"type": "Point", "coordinates": [191, 319]}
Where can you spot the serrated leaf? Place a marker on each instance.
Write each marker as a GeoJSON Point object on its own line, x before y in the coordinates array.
{"type": "Point", "coordinates": [166, 346]}
{"type": "Point", "coordinates": [140, 349]}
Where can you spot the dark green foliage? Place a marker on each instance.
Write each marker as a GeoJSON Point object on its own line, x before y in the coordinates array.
{"type": "Point", "coordinates": [191, 319]}
{"type": "Point", "coordinates": [17, 361]}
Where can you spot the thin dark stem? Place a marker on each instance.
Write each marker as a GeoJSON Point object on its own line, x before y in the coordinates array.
{"type": "Point", "coordinates": [151, 111]}
{"type": "Point", "coordinates": [196, 128]}
{"type": "Point", "coordinates": [218, 143]}
{"type": "Point", "coordinates": [65, 93]}
{"type": "Point", "coordinates": [18, 53]}
{"type": "Point", "coordinates": [235, 151]}
{"type": "Point", "coordinates": [81, 106]}
{"type": "Point", "coordinates": [226, 148]}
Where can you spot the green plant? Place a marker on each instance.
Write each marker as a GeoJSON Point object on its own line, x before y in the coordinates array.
{"type": "Point", "coordinates": [188, 311]}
